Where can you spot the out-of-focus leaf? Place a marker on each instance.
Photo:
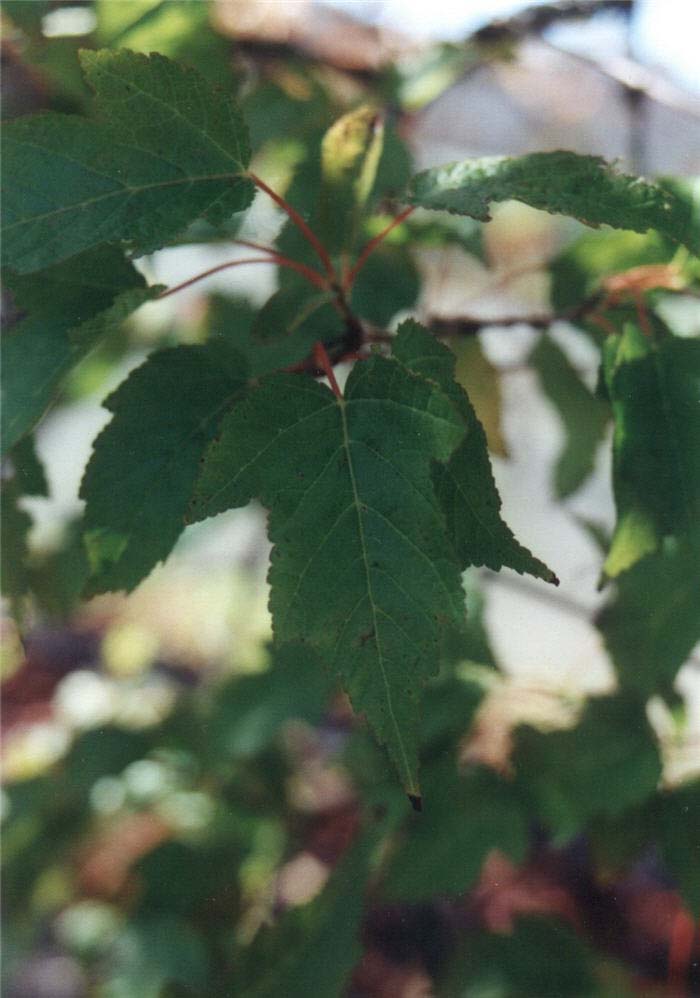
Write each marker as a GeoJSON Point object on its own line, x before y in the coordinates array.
{"type": "Point", "coordinates": [584, 417]}
{"type": "Point", "coordinates": [654, 390]}
{"type": "Point", "coordinates": [99, 752]}
{"type": "Point", "coordinates": [70, 306]}
{"type": "Point", "coordinates": [73, 183]}
{"type": "Point", "coordinates": [607, 763]}
{"type": "Point", "coordinates": [230, 325]}
{"type": "Point", "coordinates": [249, 711]}
{"type": "Point", "coordinates": [154, 952]}
{"type": "Point", "coordinates": [378, 591]}
{"type": "Point", "coordinates": [181, 30]}
{"type": "Point", "coordinates": [58, 578]}
{"type": "Point", "coordinates": [395, 165]}
{"type": "Point", "coordinates": [29, 476]}
{"type": "Point", "coordinates": [464, 485]}
{"type": "Point", "coordinates": [350, 153]}
{"type": "Point", "coordinates": [314, 948]}
{"type": "Point", "coordinates": [27, 16]}
{"type": "Point", "coordinates": [388, 283]}
{"type": "Point", "coordinates": [144, 463]}
{"type": "Point", "coordinates": [442, 229]}
{"type": "Point", "coordinates": [274, 114]}
{"type": "Point", "coordinates": [15, 524]}
{"type": "Point", "coordinates": [479, 378]}
{"type": "Point", "coordinates": [420, 78]}
{"type": "Point", "coordinates": [563, 183]}
{"type": "Point", "coordinates": [299, 310]}
{"type": "Point", "coordinates": [654, 622]}
{"type": "Point", "coordinates": [578, 270]}
{"type": "Point", "coordinates": [540, 958]}
{"type": "Point", "coordinates": [678, 831]}
{"type": "Point", "coordinates": [465, 817]}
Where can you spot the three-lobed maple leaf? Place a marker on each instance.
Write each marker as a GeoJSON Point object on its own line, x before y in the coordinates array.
{"type": "Point", "coordinates": [364, 567]}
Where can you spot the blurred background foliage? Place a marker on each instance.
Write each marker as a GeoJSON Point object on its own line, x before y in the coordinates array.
{"type": "Point", "coordinates": [186, 813]}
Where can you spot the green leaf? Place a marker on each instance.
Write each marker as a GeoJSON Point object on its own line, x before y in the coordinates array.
{"type": "Point", "coordinates": [361, 568]}
{"type": "Point", "coordinates": [584, 417]}
{"type": "Point", "coordinates": [298, 310]}
{"type": "Point", "coordinates": [350, 153]}
{"type": "Point", "coordinates": [563, 183]}
{"type": "Point", "coordinates": [230, 325]}
{"type": "Point", "coordinates": [654, 623]}
{"type": "Point", "coordinates": [388, 283]}
{"type": "Point", "coordinates": [314, 948]}
{"type": "Point", "coordinates": [73, 183]}
{"type": "Point", "coordinates": [145, 462]}
{"type": "Point", "coordinates": [678, 831]}
{"type": "Point", "coordinates": [540, 958]}
{"type": "Point", "coordinates": [606, 764]}
{"type": "Point", "coordinates": [249, 711]}
{"type": "Point", "coordinates": [70, 306]}
{"type": "Point", "coordinates": [466, 816]}
{"type": "Point", "coordinates": [155, 951]}
{"type": "Point", "coordinates": [578, 271]}
{"type": "Point", "coordinates": [15, 524]}
{"type": "Point", "coordinates": [480, 380]}
{"type": "Point", "coordinates": [181, 30]}
{"type": "Point", "coordinates": [29, 475]}
{"type": "Point", "coordinates": [654, 390]}
{"type": "Point", "coordinates": [464, 484]}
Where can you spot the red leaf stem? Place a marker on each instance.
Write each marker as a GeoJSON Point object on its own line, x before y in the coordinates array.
{"type": "Point", "coordinates": [372, 245]}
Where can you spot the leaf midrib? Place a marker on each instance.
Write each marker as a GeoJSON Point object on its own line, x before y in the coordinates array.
{"type": "Point", "coordinates": [411, 788]}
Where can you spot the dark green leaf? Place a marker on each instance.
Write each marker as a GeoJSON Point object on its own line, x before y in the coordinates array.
{"type": "Point", "coordinates": [465, 817]}
{"type": "Point", "coordinates": [606, 764]}
{"type": "Point", "coordinates": [298, 310]}
{"type": "Point", "coordinates": [678, 830]}
{"type": "Point", "coordinates": [145, 462]}
{"type": "Point", "coordinates": [653, 624]}
{"type": "Point", "coordinates": [388, 283]}
{"type": "Point", "coordinates": [540, 958]}
{"type": "Point", "coordinates": [654, 390]}
{"type": "Point", "coordinates": [70, 306]}
{"type": "Point", "coordinates": [315, 947]}
{"type": "Point", "coordinates": [585, 418]}
{"type": "Point", "coordinates": [361, 568]}
{"type": "Point", "coordinates": [464, 485]}
{"type": "Point", "coordinates": [563, 183]}
{"type": "Point", "coordinates": [29, 476]}
{"type": "Point", "coordinates": [72, 183]}
{"type": "Point", "coordinates": [15, 524]}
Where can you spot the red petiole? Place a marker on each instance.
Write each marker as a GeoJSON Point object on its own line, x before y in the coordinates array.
{"type": "Point", "coordinates": [323, 361]}
{"type": "Point", "coordinates": [372, 245]}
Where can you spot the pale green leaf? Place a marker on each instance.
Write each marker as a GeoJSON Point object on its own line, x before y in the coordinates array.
{"type": "Point", "coordinates": [168, 149]}
{"type": "Point", "coordinates": [584, 417]}
{"type": "Point", "coordinates": [361, 568]}
{"type": "Point", "coordinates": [654, 390]}
{"type": "Point", "coordinates": [563, 183]}
{"type": "Point", "coordinates": [298, 310]}
{"type": "Point", "coordinates": [464, 485]}
{"type": "Point", "coordinates": [480, 380]}
{"type": "Point", "coordinates": [653, 624]}
{"type": "Point", "coordinates": [144, 463]}
{"type": "Point", "coordinates": [350, 153]}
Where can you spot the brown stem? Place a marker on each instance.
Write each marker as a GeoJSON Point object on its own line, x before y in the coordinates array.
{"type": "Point", "coordinates": [300, 224]}
{"type": "Point", "coordinates": [372, 245]}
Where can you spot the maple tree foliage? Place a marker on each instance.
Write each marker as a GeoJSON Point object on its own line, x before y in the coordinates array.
{"type": "Point", "coordinates": [380, 495]}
